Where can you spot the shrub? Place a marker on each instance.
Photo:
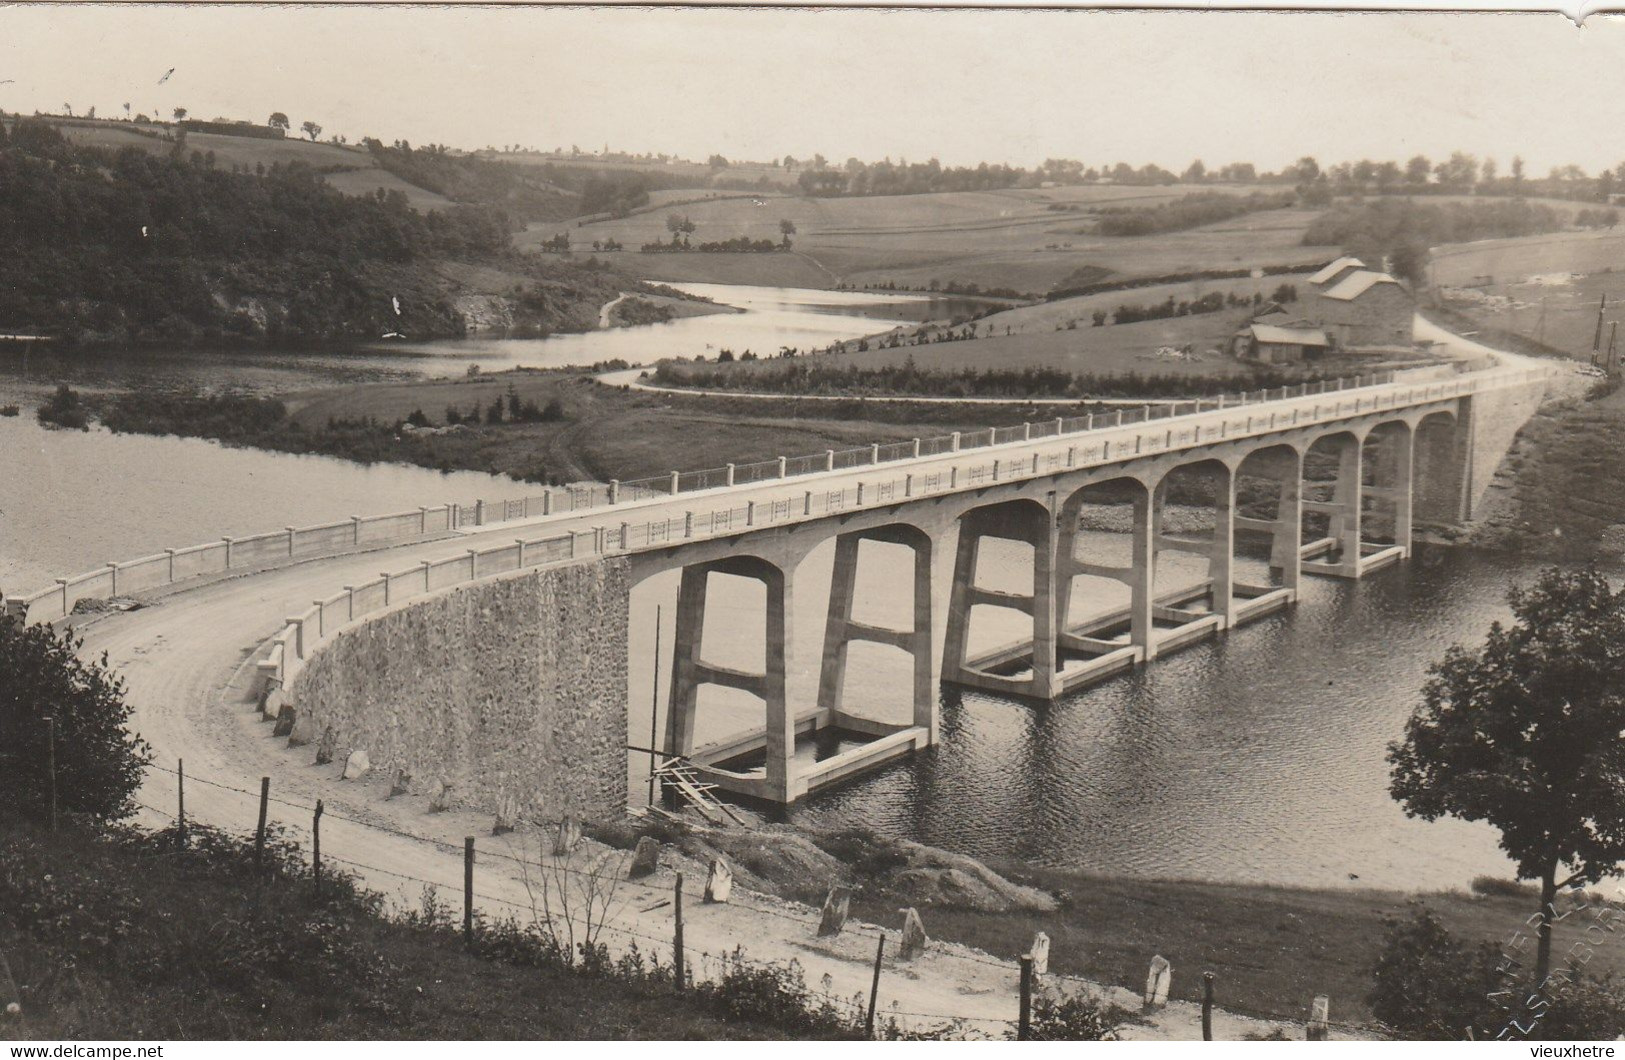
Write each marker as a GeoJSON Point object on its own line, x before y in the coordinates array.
{"type": "Point", "coordinates": [98, 761]}
{"type": "Point", "coordinates": [1429, 985]}
{"type": "Point", "coordinates": [1494, 886]}
{"type": "Point", "coordinates": [1081, 1017]}
{"type": "Point", "coordinates": [63, 409]}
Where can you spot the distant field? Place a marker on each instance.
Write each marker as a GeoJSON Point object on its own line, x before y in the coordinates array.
{"type": "Point", "coordinates": [1009, 238]}
{"type": "Point", "coordinates": [686, 171]}
{"type": "Point", "coordinates": [361, 177]}
{"type": "Point", "coordinates": [1575, 270]}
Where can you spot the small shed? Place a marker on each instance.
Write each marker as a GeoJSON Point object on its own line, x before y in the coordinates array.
{"type": "Point", "coordinates": [1275, 344]}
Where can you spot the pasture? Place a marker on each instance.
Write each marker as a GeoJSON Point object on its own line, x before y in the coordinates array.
{"type": "Point", "coordinates": [696, 174]}
{"type": "Point", "coordinates": [1029, 239]}
{"type": "Point", "coordinates": [1546, 288]}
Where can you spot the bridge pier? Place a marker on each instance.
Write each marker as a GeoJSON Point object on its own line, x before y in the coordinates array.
{"type": "Point", "coordinates": [689, 672]}
{"type": "Point", "coordinates": [841, 629]}
{"type": "Point", "coordinates": [1033, 524]}
{"type": "Point", "coordinates": [1343, 510]}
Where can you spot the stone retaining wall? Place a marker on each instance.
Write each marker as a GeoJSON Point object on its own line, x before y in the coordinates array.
{"type": "Point", "coordinates": [512, 690]}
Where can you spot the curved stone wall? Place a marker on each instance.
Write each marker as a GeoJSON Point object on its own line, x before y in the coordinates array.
{"type": "Point", "coordinates": [512, 690]}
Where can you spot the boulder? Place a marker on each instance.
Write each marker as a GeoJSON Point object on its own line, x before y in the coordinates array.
{"type": "Point", "coordinates": [271, 700]}
{"type": "Point", "coordinates": [357, 765]}
{"type": "Point", "coordinates": [719, 883]}
{"type": "Point", "coordinates": [645, 858]}
{"type": "Point", "coordinates": [325, 746]}
{"type": "Point", "coordinates": [285, 721]}
{"type": "Point", "coordinates": [914, 936]}
{"type": "Point", "coordinates": [440, 799]}
{"type": "Point", "coordinates": [402, 784]}
{"type": "Point", "coordinates": [837, 905]}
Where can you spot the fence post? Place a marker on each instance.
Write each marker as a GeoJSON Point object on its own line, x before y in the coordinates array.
{"type": "Point", "coordinates": [829, 460]}
{"type": "Point", "coordinates": [1319, 1019]}
{"type": "Point", "coordinates": [677, 936]}
{"type": "Point", "coordinates": [113, 577]}
{"type": "Point", "coordinates": [874, 453]}
{"type": "Point", "coordinates": [290, 531]}
{"type": "Point", "coordinates": [180, 803]}
{"type": "Point", "coordinates": [1024, 1024]}
{"type": "Point", "coordinates": [50, 764]}
{"type": "Point", "coordinates": [954, 441]}
{"type": "Point", "coordinates": [729, 480]}
{"type": "Point", "coordinates": [614, 491]}
{"type": "Point", "coordinates": [227, 540]}
{"type": "Point", "coordinates": [676, 483]}
{"type": "Point", "coordinates": [355, 529]}
{"type": "Point", "coordinates": [259, 832]}
{"type": "Point", "coordinates": [916, 448]}
{"type": "Point", "coordinates": [1207, 1006]}
{"type": "Point", "coordinates": [473, 563]}
{"type": "Point", "coordinates": [384, 575]}
{"type": "Point", "coordinates": [171, 554]}
{"type": "Point", "coordinates": [874, 990]}
{"type": "Point", "coordinates": [784, 467]}
{"type": "Point", "coordinates": [468, 891]}
{"type": "Point", "coordinates": [316, 848]}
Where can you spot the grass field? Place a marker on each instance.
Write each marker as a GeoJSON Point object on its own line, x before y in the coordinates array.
{"type": "Point", "coordinates": [1010, 238]}
{"type": "Point", "coordinates": [696, 172]}
{"type": "Point", "coordinates": [1554, 282]}
{"type": "Point", "coordinates": [361, 175]}
{"type": "Point", "coordinates": [608, 433]}
{"type": "Point", "coordinates": [1272, 948]}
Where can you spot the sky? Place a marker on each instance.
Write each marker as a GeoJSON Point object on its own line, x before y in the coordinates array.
{"type": "Point", "coordinates": [962, 86]}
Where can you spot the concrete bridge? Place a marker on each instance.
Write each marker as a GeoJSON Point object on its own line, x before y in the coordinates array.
{"type": "Point", "coordinates": [1326, 480]}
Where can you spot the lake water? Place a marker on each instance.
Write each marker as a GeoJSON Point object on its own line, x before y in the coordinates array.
{"type": "Point", "coordinates": [1255, 757]}
{"type": "Point", "coordinates": [773, 317]}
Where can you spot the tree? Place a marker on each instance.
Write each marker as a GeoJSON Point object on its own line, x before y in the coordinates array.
{"type": "Point", "coordinates": [180, 113]}
{"type": "Point", "coordinates": [1195, 173]}
{"type": "Point", "coordinates": [98, 760]}
{"type": "Point", "coordinates": [1517, 174]}
{"type": "Point", "coordinates": [1524, 734]}
{"type": "Point", "coordinates": [310, 129]}
{"type": "Point", "coordinates": [1488, 172]}
{"type": "Point", "coordinates": [717, 162]}
{"type": "Point", "coordinates": [278, 120]}
{"type": "Point", "coordinates": [1306, 169]}
{"type": "Point", "coordinates": [1417, 170]}
{"type": "Point", "coordinates": [787, 228]}
{"type": "Point", "coordinates": [1429, 985]}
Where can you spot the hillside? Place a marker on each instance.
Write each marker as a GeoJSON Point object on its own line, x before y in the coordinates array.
{"type": "Point", "coordinates": [1030, 240]}
{"type": "Point", "coordinates": [118, 246]}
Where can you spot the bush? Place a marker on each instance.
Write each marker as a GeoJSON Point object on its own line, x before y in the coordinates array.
{"type": "Point", "coordinates": [63, 409]}
{"type": "Point", "coordinates": [98, 761]}
{"type": "Point", "coordinates": [1081, 1017]}
{"type": "Point", "coordinates": [1494, 886]}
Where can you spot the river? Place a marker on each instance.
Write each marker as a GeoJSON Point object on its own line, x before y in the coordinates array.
{"type": "Point", "coordinates": [1255, 757]}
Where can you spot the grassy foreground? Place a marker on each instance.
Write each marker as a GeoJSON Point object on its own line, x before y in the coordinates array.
{"type": "Point", "coordinates": [124, 938]}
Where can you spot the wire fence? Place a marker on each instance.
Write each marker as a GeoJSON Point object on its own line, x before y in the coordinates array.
{"type": "Point", "coordinates": [807, 924]}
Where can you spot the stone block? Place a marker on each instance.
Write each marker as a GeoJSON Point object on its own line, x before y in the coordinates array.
{"type": "Point", "coordinates": [357, 765]}
{"type": "Point", "coordinates": [507, 816]}
{"type": "Point", "coordinates": [568, 837]}
{"type": "Point", "coordinates": [1320, 1016]}
{"type": "Point", "coordinates": [271, 700]}
{"type": "Point", "coordinates": [285, 720]}
{"type": "Point", "coordinates": [837, 904]}
{"type": "Point", "coordinates": [645, 858]}
{"type": "Point", "coordinates": [914, 937]}
{"type": "Point", "coordinates": [1157, 982]}
{"type": "Point", "coordinates": [1039, 952]}
{"type": "Point", "coordinates": [719, 883]}
{"type": "Point", "coordinates": [326, 746]}
{"type": "Point", "coordinates": [440, 800]}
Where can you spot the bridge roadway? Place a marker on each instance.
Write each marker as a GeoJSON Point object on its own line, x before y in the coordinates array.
{"type": "Point", "coordinates": [189, 662]}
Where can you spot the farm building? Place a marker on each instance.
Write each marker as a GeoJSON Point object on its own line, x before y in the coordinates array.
{"type": "Point", "coordinates": [1329, 276]}
{"type": "Point", "coordinates": [1280, 343]}
{"type": "Point", "coordinates": [1364, 308]}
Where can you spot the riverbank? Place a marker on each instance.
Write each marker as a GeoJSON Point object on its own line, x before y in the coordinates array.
{"type": "Point", "coordinates": [1271, 948]}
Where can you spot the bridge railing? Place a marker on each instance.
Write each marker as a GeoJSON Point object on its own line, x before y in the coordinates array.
{"type": "Point", "coordinates": [293, 543]}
